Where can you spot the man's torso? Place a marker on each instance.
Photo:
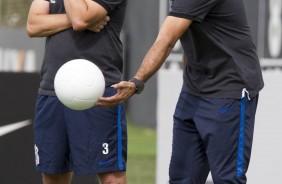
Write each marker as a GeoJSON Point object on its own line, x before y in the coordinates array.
{"type": "Point", "coordinates": [221, 55]}
{"type": "Point", "coordinates": [103, 48]}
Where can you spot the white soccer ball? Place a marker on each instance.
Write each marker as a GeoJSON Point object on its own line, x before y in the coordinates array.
{"type": "Point", "coordinates": [79, 84]}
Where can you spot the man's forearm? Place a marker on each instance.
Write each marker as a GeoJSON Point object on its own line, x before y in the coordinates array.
{"type": "Point", "coordinates": [83, 14]}
{"type": "Point", "coordinates": [46, 25]}
{"type": "Point", "coordinates": [154, 59]}
{"type": "Point", "coordinates": [75, 9]}
{"type": "Point", "coordinates": [169, 34]}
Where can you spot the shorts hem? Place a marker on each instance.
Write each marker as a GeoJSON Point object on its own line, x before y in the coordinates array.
{"type": "Point", "coordinates": [100, 171]}
{"type": "Point", "coordinates": [50, 171]}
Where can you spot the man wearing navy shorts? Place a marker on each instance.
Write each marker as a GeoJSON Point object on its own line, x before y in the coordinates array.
{"type": "Point", "coordinates": [69, 141]}
{"type": "Point", "coordinates": [215, 113]}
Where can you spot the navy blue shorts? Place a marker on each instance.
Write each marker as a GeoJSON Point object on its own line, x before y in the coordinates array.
{"type": "Point", "coordinates": [212, 135]}
{"type": "Point", "coordinates": [85, 142]}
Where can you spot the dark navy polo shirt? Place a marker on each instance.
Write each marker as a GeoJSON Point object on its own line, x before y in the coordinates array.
{"type": "Point", "coordinates": [221, 55]}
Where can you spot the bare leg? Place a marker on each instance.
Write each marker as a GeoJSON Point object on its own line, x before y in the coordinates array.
{"type": "Point", "coordinates": [57, 178]}
{"type": "Point", "coordinates": [113, 178]}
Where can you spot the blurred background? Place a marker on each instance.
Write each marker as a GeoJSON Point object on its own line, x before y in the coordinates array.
{"type": "Point", "coordinates": [149, 114]}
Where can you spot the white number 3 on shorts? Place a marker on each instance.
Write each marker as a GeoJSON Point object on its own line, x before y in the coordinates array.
{"type": "Point", "coordinates": [106, 148]}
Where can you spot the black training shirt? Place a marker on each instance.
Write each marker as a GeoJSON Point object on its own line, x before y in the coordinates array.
{"type": "Point", "coordinates": [221, 55]}
{"type": "Point", "coordinates": [103, 48]}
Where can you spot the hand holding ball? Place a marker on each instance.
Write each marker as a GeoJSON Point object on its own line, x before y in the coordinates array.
{"type": "Point", "coordinates": [79, 84]}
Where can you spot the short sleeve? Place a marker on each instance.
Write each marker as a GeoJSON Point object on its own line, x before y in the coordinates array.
{"type": "Point", "coordinates": [195, 10]}
{"type": "Point", "coordinates": [109, 5]}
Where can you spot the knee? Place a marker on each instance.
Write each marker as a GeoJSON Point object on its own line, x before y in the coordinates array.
{"type": "Point", "coordinates": [113, 178]}
{"type": "Point", "coordinates": [57, 178]}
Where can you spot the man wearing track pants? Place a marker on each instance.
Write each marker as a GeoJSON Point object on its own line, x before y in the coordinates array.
{"type": "Point", "coordinates": [215, 113]}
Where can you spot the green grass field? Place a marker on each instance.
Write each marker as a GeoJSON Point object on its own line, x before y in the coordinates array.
{"type": "Point", "coordinates": [141, 162]}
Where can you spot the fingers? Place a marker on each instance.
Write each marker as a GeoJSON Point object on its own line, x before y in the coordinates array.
{"type": "Point", "coordinates": [124, 91]}
{"type": "Point", "coordinates": [105, 21]}
{"type": "Point", "coordinates": [107, 18]}
{"type": "Point", "coordinates": [109, 101]}
{"type": "Point", "coordinates": [101, 24]}
{"type": "Point", "coordinates": [98, 28]}
{"type": "Point", "coordinates": [122, 84]}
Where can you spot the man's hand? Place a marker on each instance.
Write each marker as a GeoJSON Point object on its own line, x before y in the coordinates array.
{"type": "Point", "coordinates": [100, 25]}
{"type": "Point", "coordinates": [125, 90]}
